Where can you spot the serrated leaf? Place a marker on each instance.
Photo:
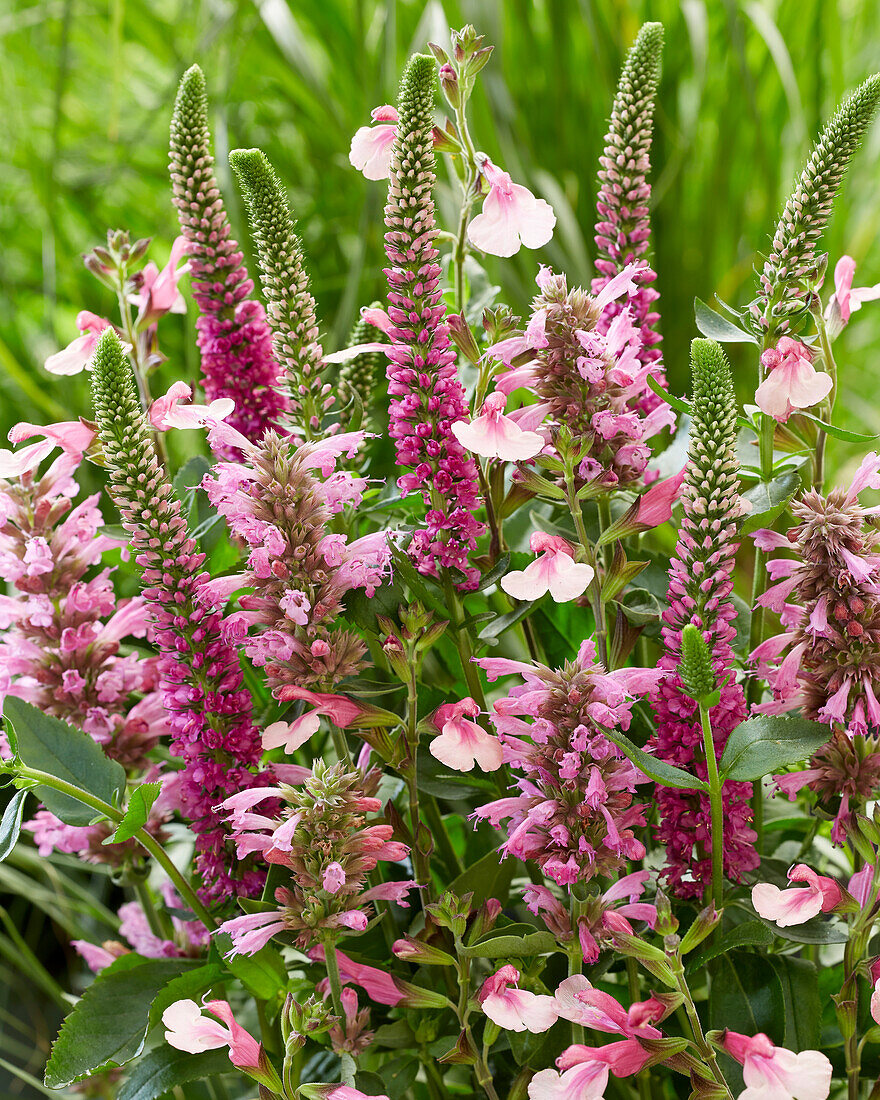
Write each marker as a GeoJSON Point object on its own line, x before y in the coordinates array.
{"type": "Point", "coordinates": [162, 1069]}
{"type": "Point", "coordinates": [137, 811]}
{"type": "Point", "coordinates": [10, 824]}
{"type": "Point", "coordinates": [109, 1022]}
{"type": "Point", "coordinates": [768, 499]}
{"type": "Point", "coordinates": [49, 745]}
{"type": "Point", "coordinates": [665, 774]}
{"type": "Point", "coordinates": [716, 327]}
{"type": "Point", "coordinates": [763, 745]}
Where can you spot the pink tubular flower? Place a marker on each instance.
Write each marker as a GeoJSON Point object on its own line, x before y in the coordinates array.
{"type": "Point", "coordinates": [75, 357]}
{"type": "Point", "coordinates": [846, 299]}
{"type": "Point", "coordinates": [494, 435]}
{"type": "Point", "coordinates": [371, 145]}
{"type": "Point", "coordinates": [774, 1073]}
{"type": "Point", "coordinates": [189, 1030]}
{"type": "Point", "coordinates": [74, 437]}
{"type": "Point", "coordinates": [795, 905]}
{"type": "Point", "coordinates": [515, 1009]}
{"type": "Point", "coordinates": [167, 412]}
{"type": "Point", "coordinates": [554, 571]}
{"type": "Point", "coordinates": [462, 743]}
{"type": "Point", "coordinates": [377, 984]}
{"type": "Point", "coordinates": [341, 711]}
{"type": "Point", "coordinates": [159, 293]}
{"type": "Point", "coordinates": [577, 1000]}
{"type": "Point", "coordinates": [511, 216]}
{"type": "Point", "coordinates": [791, 381]}
{"type": "Point", "coordinates": [584, 1071]}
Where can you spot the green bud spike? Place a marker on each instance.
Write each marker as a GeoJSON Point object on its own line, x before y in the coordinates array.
{"type": "Point", "coordinates": [633, 111]}
{"type": "Point", "coordinates": [695, 668]}
{"type": "Point", "coordinates": [122, 424]}
{"type": "Point", "coordinates": [360, 376]}
{"type": "Point", "coordinates": [792, 264]}
{"type": "Point", "coordinates": [713, 430]}
{"type": "Point", "coordinates": [412, 155]}
{"type": "Point", "coordinates": [285, 281]}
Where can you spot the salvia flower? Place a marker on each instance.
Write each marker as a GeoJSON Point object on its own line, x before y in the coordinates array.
{"type": "Point", "coordinates": [583, 1071]}
{"type": "Point", "coordinates": [554, 571]}
{"type": "Point", "coordinates": [825, 661]}
{"type": "Point", "coordinates": [587, 381]}
{"type": "Point", "coordinates": [511, 216]}
{"type": "Point", "coordinates": [515, 1009]}
{"type": "Point", "coordinates": [623, 228]}
{"type": "Point", "coordinates": [323, 840]}
{"type": "Point", "coordinates": [574, 813]}
{"type": "Point", "coordinates": [494, 435]}
{"type": "Point", "coordinates": [201, 681]}
{"type": "Point", "coordinates": [770, 1071]}
{"type": "Point", "coordinates": [427, 397]}
{"type": "Point", "coordinates": [234, 337]}
{"type": "Point", "coordinates": [792, 266]}
{"type": "Point", "coordinates": [371, 145]}
{"type": "Point", "coordinates": [700, 587]}
{"type": "Point", "coordinates": [462, 743]}
{"type": "Point", "coordinates": [846, 299]}
{"type": "Point", "coordinates": [75, 357]}
{"type": "Point", "coordinates": [791, 381]}
{"type": "Point", "coordinates": [797, 904]}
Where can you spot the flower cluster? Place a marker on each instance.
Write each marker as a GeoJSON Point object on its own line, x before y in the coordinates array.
{"type": "Point", "coordinates": [574, 814]}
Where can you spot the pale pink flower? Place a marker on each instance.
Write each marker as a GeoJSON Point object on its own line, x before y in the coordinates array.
{"type": "Point", "coordinates": [846, 299]}
{"type": "Point", "coordinates": [511, 216]}
{"type": "Point", "coordinates": [250, 933]}
{"type": "Point", "coordinates": [655, 506]}
{"type": "Point", "coordinates": [774, 1073]}
{"type": "Point", "coordinates": [584, 1071]}
{"type": "Point", "coordinates": [554, 571]}
{"type": "Point", "coordinates": [792, 382]}
{"type": "Point", "coordinates": [333, 877]}
{"type": "Point", "coordinates": [341, 711]}
{"type": "Point", "coordinates": [75, 357]}
{"type": "Point", "coordinates": [462, 743]}
{"type": "Point", "coordinates": [875, 1002]}
{"type": "Point", "coordinates": [166, 412]}
{"type": "Point", "coordinates": [494, 435]}
{"type": "Point", "coordinates": [515, 1009]}
{"type": "Point", "coordinates": [371, 145]}
{"type": "Point", "coordinates": [189, 1030]}
{"type": "Point", "coordinates": [795, 905]}
{"type": "Point", "coordinates": [347, 1092]}
{"type": "Point", "coordinates": [74, 437]}
{"type": "Point", "coordinates": [159, 293]}
{"type": "Point", "coordinates": [579, 1001]}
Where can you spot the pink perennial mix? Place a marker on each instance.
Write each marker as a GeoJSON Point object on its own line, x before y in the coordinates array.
{"type": "Point", "coordinates": [460, 777]}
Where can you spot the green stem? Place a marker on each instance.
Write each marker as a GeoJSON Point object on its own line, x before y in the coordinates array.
{"type": "Point", "coordinates": [496, 545]}
{"type": "Point", "coordinates": [438, 831]}
{"type": "Point", "coordinates": [346, 1062]}
{"type": "Point", "coordinates": [717, 809]}
{"type": "Point", "coordinates": [643, 1079]}
{"type": "Point", "coordinates": [139, 373]}
{"type": "Point", "coordinates": [575, 959]}
{"type": "Point", "coordinates": [459, 253]}
{"type": "Point", "coordinates": [702, 1043]}
{"type": "Point", "coordinates": [420, 857]}
{"type": "Point", "coordinates": [149, 843]}
{"type": "Point", "coordinates": [595, 589]}
{"type": "Point", "coordinates": [463, 643]}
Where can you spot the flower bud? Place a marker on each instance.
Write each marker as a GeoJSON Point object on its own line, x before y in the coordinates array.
{"type": "Point", "coordinates": [449, 84]}
{"type": "Point", "coordinates": [461, 335]}
{"type": "Point", "coordinates": [416, 996]}
{"type": "Point", "coordinates": [463, 1053]}
{"type": "Point", "coordinates": [442, 57]}
{"type": "Point", "coordinates": [706, 921]}
{"type": "Point", "coordinates": [421, 953]}
{"type": "Point", "coordinates": [485, 919]}
{"type": "Point", "coordinates": [666, 920]}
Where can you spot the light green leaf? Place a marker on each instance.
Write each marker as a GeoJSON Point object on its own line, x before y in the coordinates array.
{"type": "Point", "coordinates": [716, 327]}
{"type": "Point", "coordinates": [764, 745]}
{"type": "Point", "coordinates": [10, 825]}
{"type": "Point", "coordinates": [139, 806]}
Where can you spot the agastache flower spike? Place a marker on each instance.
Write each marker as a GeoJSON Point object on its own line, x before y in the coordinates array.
{"type": "Point", "coordinates": [792, 264]}
{"type": "Point", "coordinates": [234, 337]}
{"type": "Point", "coordinates": [700, 587]}
{"type": "Point", "coordinates": [426, 394]}
{"type": "Point", "coordinates": [623, 227]}
{"type": "Point", "coordinates": [291, 307]}
{"type": "Point", "coordinates": [201, 680]}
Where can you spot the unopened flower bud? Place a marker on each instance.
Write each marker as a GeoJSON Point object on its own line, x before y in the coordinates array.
{"type": "Point", "coordinates": [439, 53]}
{"type": "Point", "coordinates": [450, 85]}
{"type": "Point", "coordinates": [706, 921]}
{"type": "Point", "coordinates": [666, 921]}
{"type": "Point", "coordinates": [695, 668]}
{"type": "Point", "coordinates": [485, 919]}
{"type": "Point", "coordinates": [420, 953]}
{"type": "Point", "coordinates": [463, 1053]}
{"type": "Point", "coordinates": [416, 996]}
{"type": "Point", "coordinates": [461, 335]}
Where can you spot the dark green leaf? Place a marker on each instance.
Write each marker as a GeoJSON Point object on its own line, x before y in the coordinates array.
{"type": "Point", "coordinates": [159, 1071]}
{"type": "Point", "coordinates": [769, 499]}
{"type": "Point", "coordinates": [751, 933]}
{"type": "Point", "coordinates": [504, 622]}
{"type": "Point", "coordinates": [190, 475]}
{"type": "Point", "coordinates": [677, 403]}
{"type": "Point", "coordinates": [10, 825]}
{"type": "Point", "coordinates": [799, 982]}
{"type": "Point", "coordinates": [495, 573]}
{"type": "Point", "coordinates": [513, 945]}
{"type": "Point", "coordinates": [394, 1079]}
{"type": "Point", "coordinates": [435, 778]}
{"type": "Point", "coordinates": [716, 327]}
{"type": "Point", "coordinates": [109, 1022]}
{"type": "Point", "coordinates": [189, 986]}
{"type": "Point", "coordinates": [489, 877]}
{"type": "Point", "coordinates": [263, 974]}
{"type": "Point", "coordinates": [818, 930]}
{"type": "Point", "coordinates": [137, 812]}
{"type": "Point", "coordinates": [49, 745]}
{"type": "Point", "coordinates": [658, 770]}
{"type": "Point", "coordinates": [745, 995]}
{"type": "Point", "coordinates": [763, 745]}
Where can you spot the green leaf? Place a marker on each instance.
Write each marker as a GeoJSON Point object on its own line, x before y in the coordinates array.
{"type": "Point", "coordinates": [108, 1024]}
{"type": "Point", "coordinates": [504, 622]}
{"type": "Point", "coordinates": [677, 403]}
{"type": "Point", "coordinates": [495, 573]}
{"type": "Point", "coordinates": [489, 877]}
{"type": "Point", "coordinates": [838, 433]}
{"type": "Point", "coordinates": [50, 745]}
{"type": "Point", "coordinates": [189, 986]}
{"type": "Point", "coordinates": [799, 981]}
{"type": "Point", "coordinates": [513, 943]}
{"type": "Point", "coordinates": [190, 475]}
{"type": "Point", "coordinates": [435, 778]}
{"type": "Point", "coordinates": [665, 774]}
{"type": "Point", "coordinates": [10, 825]}
{"type": "Point", "coordinates": [745, 995]}
{"type": "Point", "coordinates": [263, 974]}
{"type": "Point", "coordinates": [763, 745]}
{"type": "Point", "coordinates": [162, 1069]}
{"type": "Point", "coordinates": [137, 812]}
{"type": "Point", "coordinates": [817, 930]}
{"type": "Point", "coordinates": [716, 327]}
{"type": "Point", "coordinates": [395, 1077]}
{"type": "Point", "coordinates": [769, 499]}
{"type": "Point", "coordinates": [751, 933]}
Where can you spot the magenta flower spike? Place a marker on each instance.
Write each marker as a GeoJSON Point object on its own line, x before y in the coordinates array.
{"type": "Point", "coordinates": [234, 336]}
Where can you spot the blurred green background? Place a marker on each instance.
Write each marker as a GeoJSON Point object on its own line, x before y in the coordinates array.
{"type": "Point", "coordinates": [87, 88]}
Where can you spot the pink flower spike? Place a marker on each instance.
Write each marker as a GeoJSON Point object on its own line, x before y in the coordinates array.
{"type": "Point", "coordinates": [554, 571]}
{"type": "Point", "coordinates": [166, 412]}
{"type": "Point", "coordinates": [846, 298]}
{"type": "Point", "coordinates": [370, 149]}
{"type": "Point", "coordinates": [796, 905]}
{"type": "Point", "coordinates": [462, 743]}
{"type": "Point", "coordinates": [494, 435]}
{"type": "Point", "coordinates": [791, 382]}
{"type": "Point", "coordinates": [511, 216]}
{"type": "Point", "coordinates": [75, 357]}
{"type": "Point", "coordinates": [189, 1030]}
{"type": "Point", "coordinates": [774, 1073]}
{"type": "Point", "coordinates": [159, 292]}
{"type": "Point", "coordinates": [515, 1009]}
